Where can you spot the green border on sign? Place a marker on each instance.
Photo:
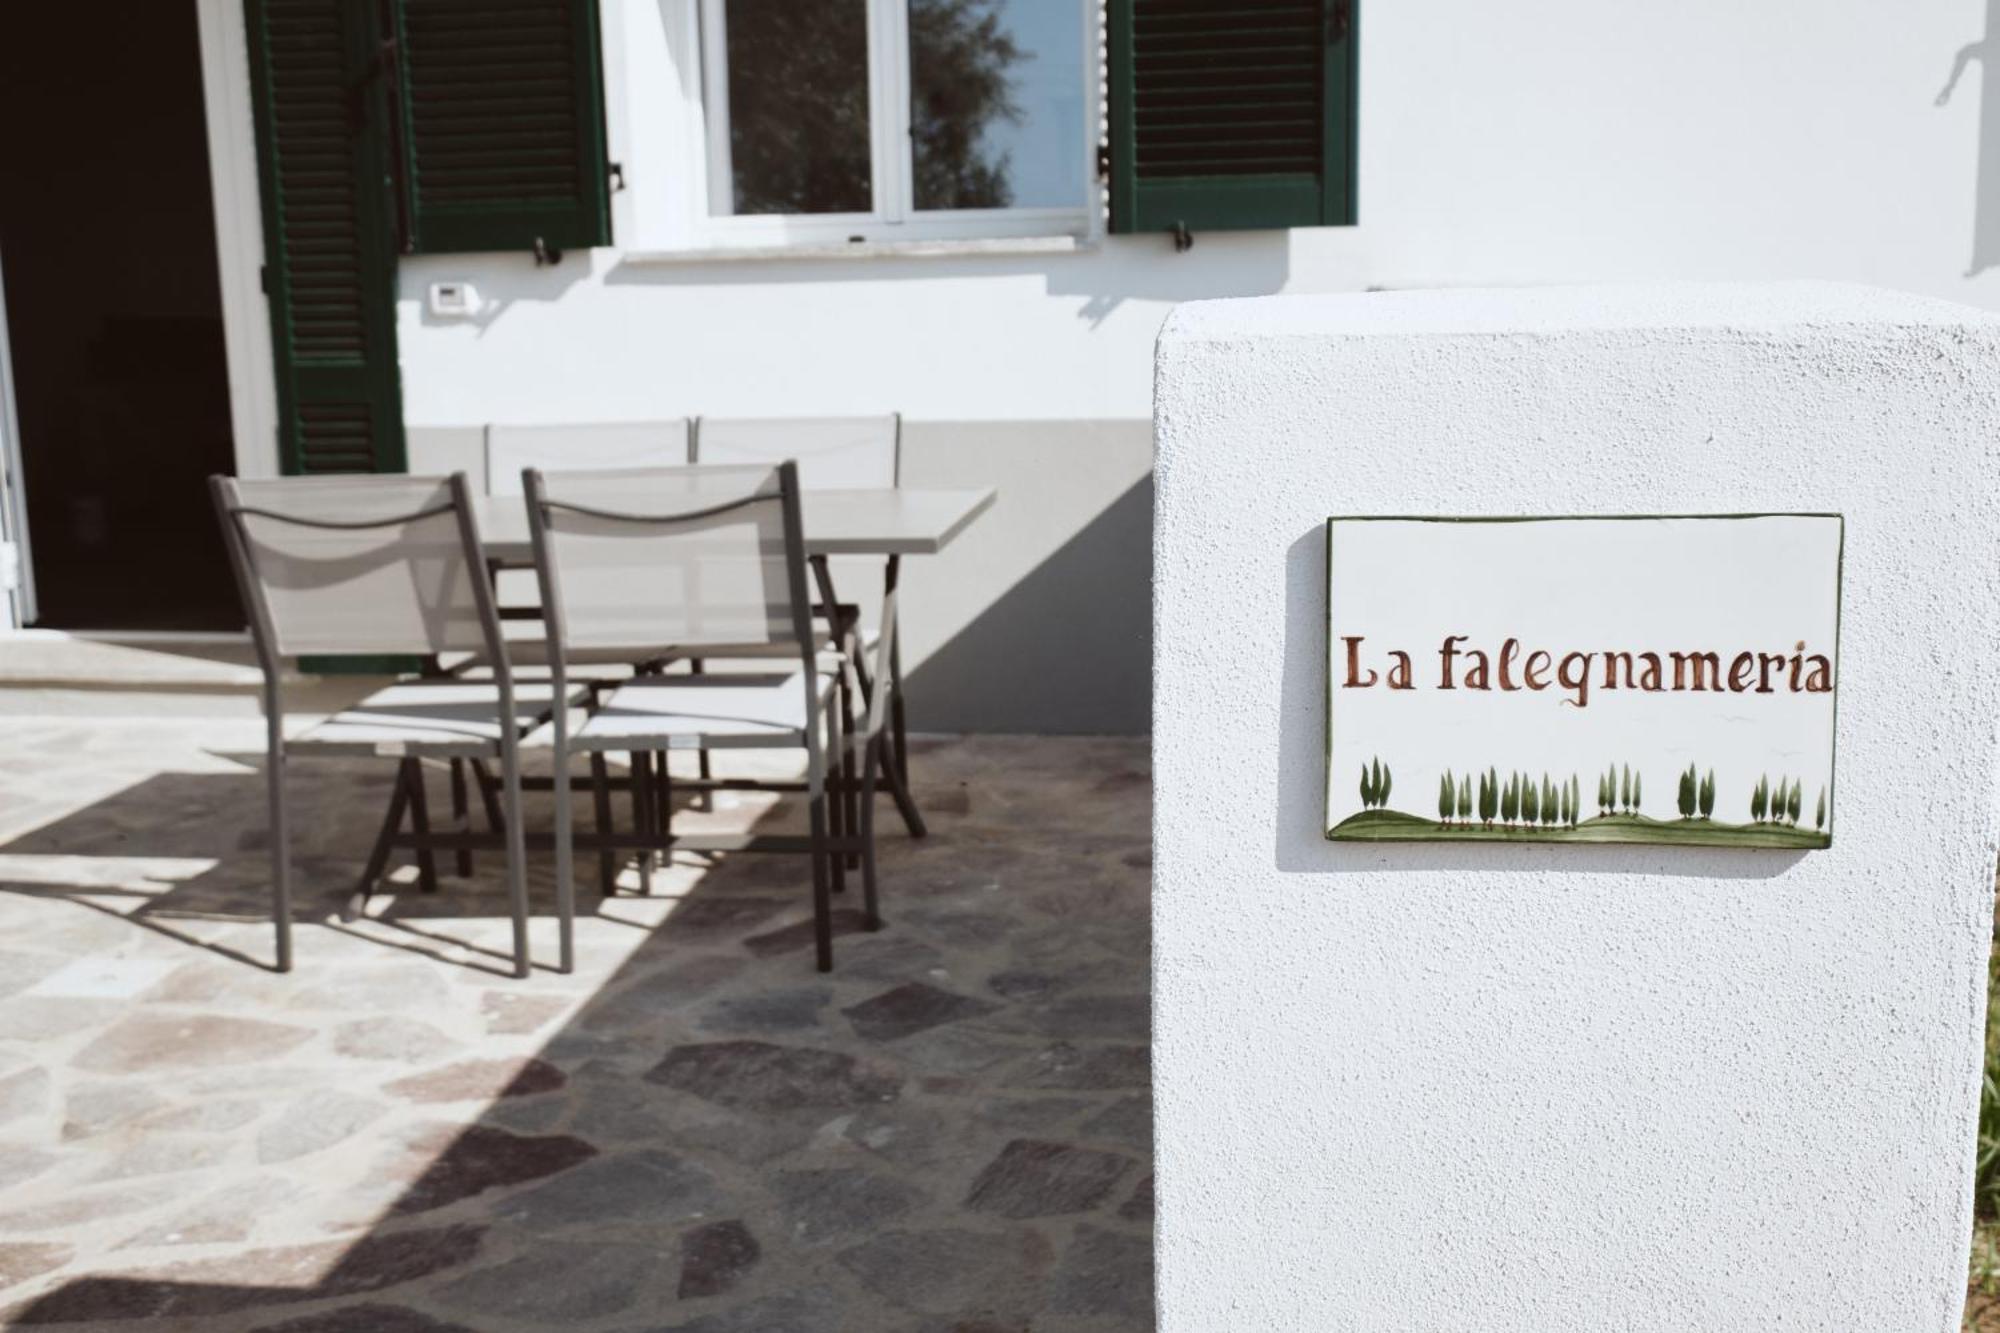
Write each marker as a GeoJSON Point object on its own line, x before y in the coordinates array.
{"type": "Point", "coordinates": [1393, 826]}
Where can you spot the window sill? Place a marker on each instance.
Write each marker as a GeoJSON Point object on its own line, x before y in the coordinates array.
{"type": "Point", "coordinates": [939, 248]}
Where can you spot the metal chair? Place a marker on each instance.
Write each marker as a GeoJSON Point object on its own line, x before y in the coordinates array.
{"type": "Point", "coordinates": [833, 453]}
{"type": "Point", "coordinates": [713, 559]}
{"type": "Point", "coordinates": [584, 447]}
{"type": "Point", "coordinates": [378, 564]}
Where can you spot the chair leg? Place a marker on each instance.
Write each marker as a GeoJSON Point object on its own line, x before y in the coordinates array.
{"type": "Point", "coordinates": [701, 768]}
{"type": "Point", "coordinates": [849, 808]}
{"type": "Point", "coordinates": [378, 855]}
{"type": "Point", "coordinates": [489, 796]}
{"type": "Point", "coordinates": [871, 905]}
{"type": "Point", "coordinates": [836, 801]}
{"type": "Point", "coordinates": [663, 819]}
{"type": "Point", "coordinates": [822, 897]}
{"type": "Point", "coordinates": [420, 820]}
{"type": "Point", "coordinates": [600, 799]}
{"type": "Point", "coordinates": [565, 870]}
{"type": "Point", "coordinates": [642, 812]}
{"type": "Point", "coordinates": [461, 820]}
{"type": "Point", "coordinates": [281, 849]}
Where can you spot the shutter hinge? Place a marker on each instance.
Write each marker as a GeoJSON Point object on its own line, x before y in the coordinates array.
{"type": "Point", "coordinates": [1183, 238]}
{"type": "Point", "coordinates": [546, 254]}
{"type": "Point", "coordinates": [264, 278]}
{"type": "Point", "coordinates": [616, 172]}
{"type": "Point", "coordinates": [1104, 161]}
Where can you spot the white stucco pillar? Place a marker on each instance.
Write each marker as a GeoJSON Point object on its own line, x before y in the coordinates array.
{"type": "Point", "coordinates": [1507, 1087]}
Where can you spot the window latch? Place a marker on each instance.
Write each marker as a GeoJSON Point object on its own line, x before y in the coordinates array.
{"type": "Point", "coordinates": [1104, 161]}
{"type": "Point", "coordinates": [616, 172]}
{"type": "Point", "coordinates": [546, 254]}
{"type": "Point", "coordinates": [1183, 238]}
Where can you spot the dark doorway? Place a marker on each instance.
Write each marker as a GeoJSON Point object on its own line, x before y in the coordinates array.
{"type": "Point", "coordinates": [107, 235]}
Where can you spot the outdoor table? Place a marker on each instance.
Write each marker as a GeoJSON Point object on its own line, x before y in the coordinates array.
{"type": "Point", "coordinates": [891, 522]}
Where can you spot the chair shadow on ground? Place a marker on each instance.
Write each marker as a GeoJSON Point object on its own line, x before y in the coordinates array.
{"type": "Point", "coordinates": [953, 1129]}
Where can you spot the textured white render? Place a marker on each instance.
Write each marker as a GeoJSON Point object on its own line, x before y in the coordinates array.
{"type": "Point", "coordinates": [1561, 1087]}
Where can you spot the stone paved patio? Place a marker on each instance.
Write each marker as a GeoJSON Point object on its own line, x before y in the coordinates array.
{"type": "Point", "coordinates": [697, 1132]}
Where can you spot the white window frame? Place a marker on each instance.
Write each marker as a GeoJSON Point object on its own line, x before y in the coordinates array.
{"type": "Point", "coordinates": [697, 48]}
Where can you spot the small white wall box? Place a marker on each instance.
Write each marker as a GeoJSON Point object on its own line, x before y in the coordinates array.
{"type": "Point", "coordinates": [453, 300]}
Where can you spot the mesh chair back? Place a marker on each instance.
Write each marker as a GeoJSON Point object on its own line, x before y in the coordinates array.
{"type": "Point", "coordinates": [692, 556]}
{"type": "Point", "coordinates": [578, 448]}
{"type": "Point", "coordinates": [365, 564]}
{"type": "Point", "coordinates": [833, 453]}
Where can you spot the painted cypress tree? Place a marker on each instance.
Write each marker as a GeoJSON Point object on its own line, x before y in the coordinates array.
{"type": "Point", "coordinates": [1575, 800]}
{"type": "Point", "coordinates": [1625, 790]}
{"type": "Point", "coordinates": [1757, 800]}
{"type": "Point", "coordinates": [1638, 798]}
{"type": "Point", "coordinates": [1465, 799]}
{"type": "Point", "coordinates": [1551, 800]}
{"type": "Point", "coordinates": [1706, 797]}
{"type": "Point", "coordinates": [1510, 800]}
{"type": "Point", "coordinates": [1489, 800]}
{"type": "Point", "coordinates": [1792, 805]}
{"type": "Point", "coordinates": [1684, 799]}
{"type": "Point", "coordinates": [1531, 801]}
{"type": "Point", "coordinates": [1387, 783]}
{"type": "Point", "coordinates": [1819, 814]}
{"type": "Point", "coordinates": [1601, 802]}
{"type": "Point", "coordinates": [1447, 798]}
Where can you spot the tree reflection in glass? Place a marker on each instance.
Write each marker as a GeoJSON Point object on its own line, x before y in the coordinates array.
{"type": "Point", "coordinates": [996, 104]}
{"type": "Point", "coordinates": [798, 107]}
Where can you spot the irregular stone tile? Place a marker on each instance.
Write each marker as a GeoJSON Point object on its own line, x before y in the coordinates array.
{"type": "Point", "coordinates": [391, 1037]}
{"type": "Point", "coordinates": [1139, 1208]}
{"type": "Point", "coordinates": [366, 1318]}
{"type": "Point", "coordinates": [483, 1158]}
{"type": "Point", "coordinates": [32, 1020]}
{"type": "Point", "coordinates": [957, 1050]}
{"type": "Point", "coordinates": [643, 1004]}
{"type": "Point", "coordinates": [19, 970]}
{"type": "Point", "coordinates": [18, 1163]}
{"type": "Point", "coordinates": [227, 1216]}
{"type": "Point", "coordinates": [760, 1076]}
{"type": "Point", "coordinates": [215, 1287]}
{"type": "Point", "coordinates": [715, 1257]}
{"type": "Point", "coordinates": [1072, 1016]}
{"type": "Point", "coordinates": [795, 1009]}
{"type": "Point", "coordinates": [90, 1109]}
{"type": "Point", "coordinates": [639, 1114]}
{"type": "Point", "coordinates": [959, 928]}
{"type": "Point", "coordinates": [1064, 1067]}
{"type": "Point", "coordinates": [24, 1092]}
{"type": "Point", "coordinates": [22, 1260]}
{"type": "Point", "coordinates": [508, 1014]}
{"type": "Point", "coordinates": [1030, 1115]}
{"type": "Point", "coordinates": [724, 914]}
{"type": "Point", "coordinates": [840, 1203]}
{"type": "Point", "coordinates": [799, 935]}
{"type": "Point", "coordinates": [890, 956]}
{"type": "Point", "coordinates": [953, 1271]}
{"type": "Point", "coordinates": [654, 1188]}
{"type": "Point", "coordinates": [77, 1208]}
{"type": "Point", "coordinates": [164, 1041]}
{"type": "Point", "coordinates": [557, 1285]}
{"type": "Point", "coordinates": [408, 988]}
{"type": "Point", "coordinates": [1127, 1122]}
{"type": "Point", "coordinates": [160, 1155]}
{"type": "Point", "coordinates": [315, 1121]}
{"type": "Point", "coordinates": [209, 1117]}
{"type": "Point", "coordinates": [1105, 1273]}
{"type": "Point", "coordinates": [479, 1080]}
{"type": "Point", "coordinates": [793, 1312]}
{"type": "Point", "coordinates": [909, 1009]}
{"type": "Point", "coordinates": [1035, 1179]}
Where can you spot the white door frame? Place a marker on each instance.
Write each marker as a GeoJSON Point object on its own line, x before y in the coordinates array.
{"type": "Point", "coordinates": [17, 595]}
{"type": "Point", "coordinates": [239, 235]}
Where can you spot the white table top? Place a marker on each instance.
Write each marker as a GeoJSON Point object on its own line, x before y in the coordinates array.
{"type": "Point", "coordinates": [894, 521]}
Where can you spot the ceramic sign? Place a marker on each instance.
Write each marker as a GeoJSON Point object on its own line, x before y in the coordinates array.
{"type": "Point", "coordinates": [1654, 680]}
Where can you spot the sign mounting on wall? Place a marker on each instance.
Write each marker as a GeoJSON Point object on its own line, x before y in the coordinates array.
{"type": "Point", "coordinates": [1634, 679]}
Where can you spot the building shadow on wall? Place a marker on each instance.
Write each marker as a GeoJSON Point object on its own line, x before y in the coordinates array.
{"type": "Point", "coordinates": [1986, 189]}
{"type": "Point", "coordinates": [1070, 644]}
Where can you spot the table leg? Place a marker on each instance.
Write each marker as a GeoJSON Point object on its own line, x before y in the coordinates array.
{"type": "Point", "coordinates": [898, 768]}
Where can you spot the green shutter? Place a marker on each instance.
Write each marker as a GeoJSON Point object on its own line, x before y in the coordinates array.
{"type": "Point", "coordinates": [1231, 115]}
{"type": "Point", "coordinates": [321, 114]}
{"type": "Point", "coordinates": [502, 114]}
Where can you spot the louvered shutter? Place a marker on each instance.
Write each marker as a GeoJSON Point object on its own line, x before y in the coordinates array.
{"type": "Point", "coordinates": [329, 274]}
{"type": "Point", "coordinates": [502, 134]}
{"type": "Point", "coordinates": [1231, 115]}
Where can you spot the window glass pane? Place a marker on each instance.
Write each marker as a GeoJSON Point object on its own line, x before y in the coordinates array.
{"type": "Point", "coordinates": [996, 103]}
{"type": "Point", "coordinates": [798, 107]}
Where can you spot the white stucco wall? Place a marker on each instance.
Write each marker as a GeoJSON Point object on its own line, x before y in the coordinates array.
{"type": "Point", "coordinates": [1538, 142]}
{"type": "Point", "coordinates": [1538, 1088]}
